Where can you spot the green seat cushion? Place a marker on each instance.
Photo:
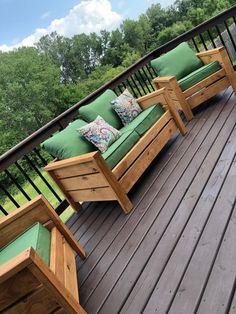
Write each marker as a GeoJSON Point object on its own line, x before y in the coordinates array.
{"type": "Point", "coordinates": [178, 62]}
{"type": "Point", "coordinates": [101, 106]}
{"type": "Point", "coordinates": [120, 148]}
{"type": "Point", "coordinates": [199, 75]}
{"type": "Point", "coordinates": [144, 120]}
{"type": "Point", "coordinates": [68, 143]}
{"type": "Point", "coordinates": [36, 236]}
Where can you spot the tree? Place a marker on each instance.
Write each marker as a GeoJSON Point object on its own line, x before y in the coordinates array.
{"type": "Point", "coordinates": [29, 94]}
{"type": "Point", "coordinates": [57, 48]}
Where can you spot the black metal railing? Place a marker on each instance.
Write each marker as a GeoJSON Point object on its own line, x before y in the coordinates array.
{"type": "Point", "coordinates": [25, 161]}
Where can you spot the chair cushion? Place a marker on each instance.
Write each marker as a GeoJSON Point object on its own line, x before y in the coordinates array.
{"type": "Point", "coordinates": [198, 75]}
{"type": "Point", "coordinates": [102, 106]}
{"type": "Point", "coordinates": [68, 143]}
{"type": "Point", "coordinates": [120, 148]}
{"type": "Point", "coordinates": [144, 120]}
{"type": "Point", "coordinates": [178, 62]}
{"type": "Point", "coordinates": [100, 133]}
{"type": "Point", "coordinates": [36, 236]}
{"type": "Point", "coordinates": [126, 106]}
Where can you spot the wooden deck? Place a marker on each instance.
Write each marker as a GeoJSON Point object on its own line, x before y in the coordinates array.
{"type": "Point", "coordinates": [176, 251]}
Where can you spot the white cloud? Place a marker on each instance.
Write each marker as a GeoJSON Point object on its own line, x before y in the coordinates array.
{"type": "Point", "coordinates": [45, 15]}
{"type": "Point", "coordinates": [86, 17]}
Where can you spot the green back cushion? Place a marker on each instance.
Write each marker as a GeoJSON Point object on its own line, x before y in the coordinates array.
{"type": "Point", "coordinates": [144, 120]}
{"type": "Point", "coordinates": [199, 75]}
{"type": "Point", "coordinates": [68, 143]}
{"type": "Point", "coordinates": [36, 236]}
{"type": "Point", "coordinates": [178, 62]}
{"type": "Point", "coordinates": [102, 106]}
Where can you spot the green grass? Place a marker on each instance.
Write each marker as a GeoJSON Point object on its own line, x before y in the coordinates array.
{"type": "Point", "coordinates": [21, 199]}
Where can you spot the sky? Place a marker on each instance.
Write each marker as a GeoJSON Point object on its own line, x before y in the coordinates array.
{"type": "Point", "coordinates": [23, 22]}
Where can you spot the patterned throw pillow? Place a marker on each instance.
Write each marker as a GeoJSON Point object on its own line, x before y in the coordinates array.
{"type": "Point", "coordinates": [126, 107]}
{"type": "Point", "coordinates": [100, 133]}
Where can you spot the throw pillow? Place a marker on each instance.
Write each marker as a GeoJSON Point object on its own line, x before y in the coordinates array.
{"type": "Point", "coordinates": [126, 107]}
{"type": "Point", "coordinates": [100, 133]}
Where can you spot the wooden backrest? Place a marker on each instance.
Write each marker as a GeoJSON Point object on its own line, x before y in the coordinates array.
{"type": "Point", "coordinates": [37, 210]}
{"type": "Point", "coordinates": [22, 218]}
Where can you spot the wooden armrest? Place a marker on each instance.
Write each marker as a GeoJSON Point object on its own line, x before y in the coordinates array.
{"type": "Point", "coordinates": [37, 210]}
{"type": "Point", "coordinates": [210, 52]}
{"type": "Point", "coordinates": [163, 79]}
{"type": "Point", "coordinates": [71, 161]}
{"type": "Point", "coordinates": [153, 98]}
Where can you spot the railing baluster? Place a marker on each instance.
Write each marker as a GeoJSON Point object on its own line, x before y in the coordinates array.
{"type": "Point", "coordinates": [203, 41]}
{"type": "Point", "coordinates": [140, 84]}
{"type": "Point", "coordinates": [149, 71]}
{"type": "Point", "coordinates": [149, 81]}
{"type": "Point", "coordinates": [219, 34]}
{"type": "Point", "coordinates": [124, 85]}
{"type": "Point", "coordinates": [9, 196]}
{"type": "Point", "coordinates": [17, 185]}
{"type": "Point", "coordinates": [144, 81]}
{"type": "Point", "coordinates": [195, 44]}
{"type": "Point", "coordinates": [131, 87]}
{"type": "Point", "coordinates": [44, 162]}
{"type": "Point", "coordinates": [28, 178]}
{"type": "Point", "coordinates": [61, 207]}
{"type": "Point", "coordinates": [136, 86]}
{"type": "Point", "coordinates": [120, 89]}
{"type": "Point", "coordinates": [3, 210]}
{"type": "Point", "coordinates": [211, 39]}
{"type": "Point", "coordinates": [152, 71]}
{"type": "Point", "coordinates": [42, 178]}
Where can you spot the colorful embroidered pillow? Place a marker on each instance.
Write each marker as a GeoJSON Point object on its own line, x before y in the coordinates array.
{"type": "Point", "coordinates": [99, 133]}
{"type": "Point", "coordinates": [126, 107]}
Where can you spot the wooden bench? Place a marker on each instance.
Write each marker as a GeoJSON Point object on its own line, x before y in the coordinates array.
{"type": "Point", "coordinates": [27, 284]}
{"type": "Point", "coordinates": [88, 177]}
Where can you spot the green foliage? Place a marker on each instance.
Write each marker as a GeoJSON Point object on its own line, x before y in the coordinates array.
{"type": "Point", "coordinates": [29, 90]}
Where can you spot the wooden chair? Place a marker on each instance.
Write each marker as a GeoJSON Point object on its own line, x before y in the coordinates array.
{"type": "Point", "coordinates": [27, 283]}
{"type": "Point", "coordinates": [207, 88]}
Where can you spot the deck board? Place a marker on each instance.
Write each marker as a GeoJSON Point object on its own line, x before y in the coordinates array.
{"type": "Point", "coordinates": [170, 252]}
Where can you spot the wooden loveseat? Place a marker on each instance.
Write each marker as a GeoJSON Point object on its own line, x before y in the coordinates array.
{"type": "Point", "coordinates": [93, 177]}
{"type": "Point", "coordinates": [193, 78]}
{"type": "Point", "coordinates": [37, 262]}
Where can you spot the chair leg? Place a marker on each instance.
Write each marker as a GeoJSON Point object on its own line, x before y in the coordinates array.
{"type": "Point", "coordinates": [125, 203]}
{"type": "Point", "coordinates": [181, 98]}
{"type": "Point", "coordinates": [229, 69]}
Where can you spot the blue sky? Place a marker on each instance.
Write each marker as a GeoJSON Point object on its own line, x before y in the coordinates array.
{"type": "Point", "coordinates": [27, 20]}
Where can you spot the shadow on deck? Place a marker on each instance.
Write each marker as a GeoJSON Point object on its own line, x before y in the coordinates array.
{"type": "Point", "coordinates": [176, 251]}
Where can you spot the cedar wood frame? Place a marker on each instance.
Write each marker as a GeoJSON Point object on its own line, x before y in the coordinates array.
{"type": "Point", "coordinates": [207, 88]}
{"type": "Point", "coordinates": [27, 284]}
{"type": "Point", "coordinates": [88, 177]}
